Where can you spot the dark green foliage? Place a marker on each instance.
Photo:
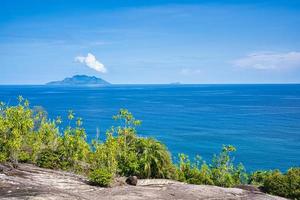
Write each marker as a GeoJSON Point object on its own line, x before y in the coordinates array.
{"type": "Point", "coordinates": [194, 173]}
{"type": "Point", "coordinates": [126, 137]}
{"type": "Point", "coordinates": [274, 182]}
{"type": "Point", "coordinates": [49, 159]}
{"type": "Point", "coordinates": [24, 157]}
{"type": "Point", "coordinates": [101, 177]}
{"type": "Point", "coordinates": [126, 154]}
{"type": "Point", "coordinates": [222, 171]}
{"type": "Point", "coordinates": [143, 157]}
{"type": "Point", "coordinates": [128, 163]}
{"type": "Point", "coordinates": [258, 177]}
{"type": "Point", "coordinates": [154, 160]}
{"type": "Point", "coordinates": [293, 178]}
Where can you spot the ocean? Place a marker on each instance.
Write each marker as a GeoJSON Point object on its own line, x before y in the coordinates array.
{"type": "Point", "coordinates": [261, 121]}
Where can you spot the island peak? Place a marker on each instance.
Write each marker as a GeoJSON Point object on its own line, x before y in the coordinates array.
{"type": "Point", "coordinates": [80, 80]}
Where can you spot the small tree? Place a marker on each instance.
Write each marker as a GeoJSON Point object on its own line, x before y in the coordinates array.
{"type": "Point", "coordinates": [16, 123]}
{"type": "Point", "coordinates": [73, 146]}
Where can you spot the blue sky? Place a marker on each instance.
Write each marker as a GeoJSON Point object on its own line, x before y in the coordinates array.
{"type": "Point", "coordinates": [150, 41]}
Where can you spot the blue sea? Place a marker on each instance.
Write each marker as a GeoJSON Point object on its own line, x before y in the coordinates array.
{"type": "Point", "coordinates": [262, 121]}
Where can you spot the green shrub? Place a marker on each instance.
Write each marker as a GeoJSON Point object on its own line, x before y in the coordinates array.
{"type": "Point", "coordinates": [3, 157]}
{"type": "Point", "coordinates": [128, 163]}
{"type": "Point", "coordinates": [104, 155]}
{"type": "Point", "coordinates": [73, 146]}
{"type": "Point", "coordinates": [293, 177]}
{"type": "Point", "coordinates": [193, 172]}
{"type": "Point", "coordinates": [276, 183]}
{"type": "Point", "coordinates": [15, 124]}
{"type": "Point", "coordinates": [258, 177]}
{"type": "Point", "coordinates": [101, 177]}
{"type": "Point", "coordinates": [24, 156]}
{"type": "Point", "coordinates": [49, 159]}
{"type": "Point", "coordinates": [285, 185]}
{"type": "Point", "coordinates": [126, 154]}
{"type": "Point", "coordinates": [222, 172]}
{"type": "Point", "coordinates": [153, 158]}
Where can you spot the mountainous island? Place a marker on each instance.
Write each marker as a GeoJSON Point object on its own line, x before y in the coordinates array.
{"type": "Point", "coordinates": [80, 80]}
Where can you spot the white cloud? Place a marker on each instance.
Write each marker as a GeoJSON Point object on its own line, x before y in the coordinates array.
{"type": "Point", "coordinates": [91, 62]}
{"type": "Point", "coordinates": [269, 60]}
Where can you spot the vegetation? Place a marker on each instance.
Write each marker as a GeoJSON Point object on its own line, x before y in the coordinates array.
{"type": "Point", "coordinates": [27, 135]}
{"type": "Point", "coordinates": [101, 177]}
{"type": "Point", "coordinates": [124, 153]}
{"type": "Point", "coordinates": [274, 182]}
{"type": "Point", "coordinates": [220, 172]}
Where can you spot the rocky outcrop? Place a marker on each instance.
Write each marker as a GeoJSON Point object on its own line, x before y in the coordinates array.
{"type": "Point", "coordinates": [31, 182]}
{"type": "Point", "coordinates": [132, 180]}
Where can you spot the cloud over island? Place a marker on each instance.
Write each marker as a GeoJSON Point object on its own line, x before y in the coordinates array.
{"type": "Point", "coordinates": [91, 61]}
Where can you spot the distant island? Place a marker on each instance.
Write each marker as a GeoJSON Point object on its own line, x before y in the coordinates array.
{"type": "Point", "coordinates": [80, 80]}
{"type": "Point", "coordinates": [175, 83]}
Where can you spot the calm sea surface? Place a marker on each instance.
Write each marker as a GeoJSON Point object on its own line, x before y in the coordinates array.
{"type": "Point", "coordinates": [262, 121]}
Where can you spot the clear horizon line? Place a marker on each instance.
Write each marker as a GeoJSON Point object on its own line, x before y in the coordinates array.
{"type": "Point", "coordinates": [258, 83]}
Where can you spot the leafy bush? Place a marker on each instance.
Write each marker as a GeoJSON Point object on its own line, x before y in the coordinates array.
{"type": "Point", "coordinates": [74, 147]}
{"type": "Point", "coordinates": [49, 159]}
{"type": "Point", "coordinates": [126, 137]}
{"type": "Point", "coordinates": [101, 177]}
{"type": "Point", "coordinates": [105, 154]}
{"type": "Point", "coordinates": [293, 177]}
{"type": "Point", "coordinates": [222, 171]}
{"type": "Point", "coordinates": [143, 157]}
{"type": "Point", "coordinates": [154, 159]}
{"type": "Point", "coordinates": [24, 156]}
{"type": "Point", "coordinates": [15, 124]}
{"type": "Point", "coordinates": [258, 177]}
{"type": "Point", "coordinates": [274, 182]}
{"type": "Point", "coordinates": [126, 154]}
{"type": "Point", "coordinates": [194, 173]}
{"type": "Point", "coordinates": [3, 157]}
{"type": "Point", "coordinates": [128, 163]}
{"type": "Point", "coordinates": [27, 135]}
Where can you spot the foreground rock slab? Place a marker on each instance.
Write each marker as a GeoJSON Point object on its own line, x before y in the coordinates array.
{"type": "Point", "coordinates": [31, 182]}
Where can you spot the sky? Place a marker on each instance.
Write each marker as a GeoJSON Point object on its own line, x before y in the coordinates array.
{"type": "Point", "coordinates": [150, 42]}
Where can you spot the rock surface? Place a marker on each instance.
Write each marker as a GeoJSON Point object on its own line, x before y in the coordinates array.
{"type": "Point", "coordinates": [31, 182]}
